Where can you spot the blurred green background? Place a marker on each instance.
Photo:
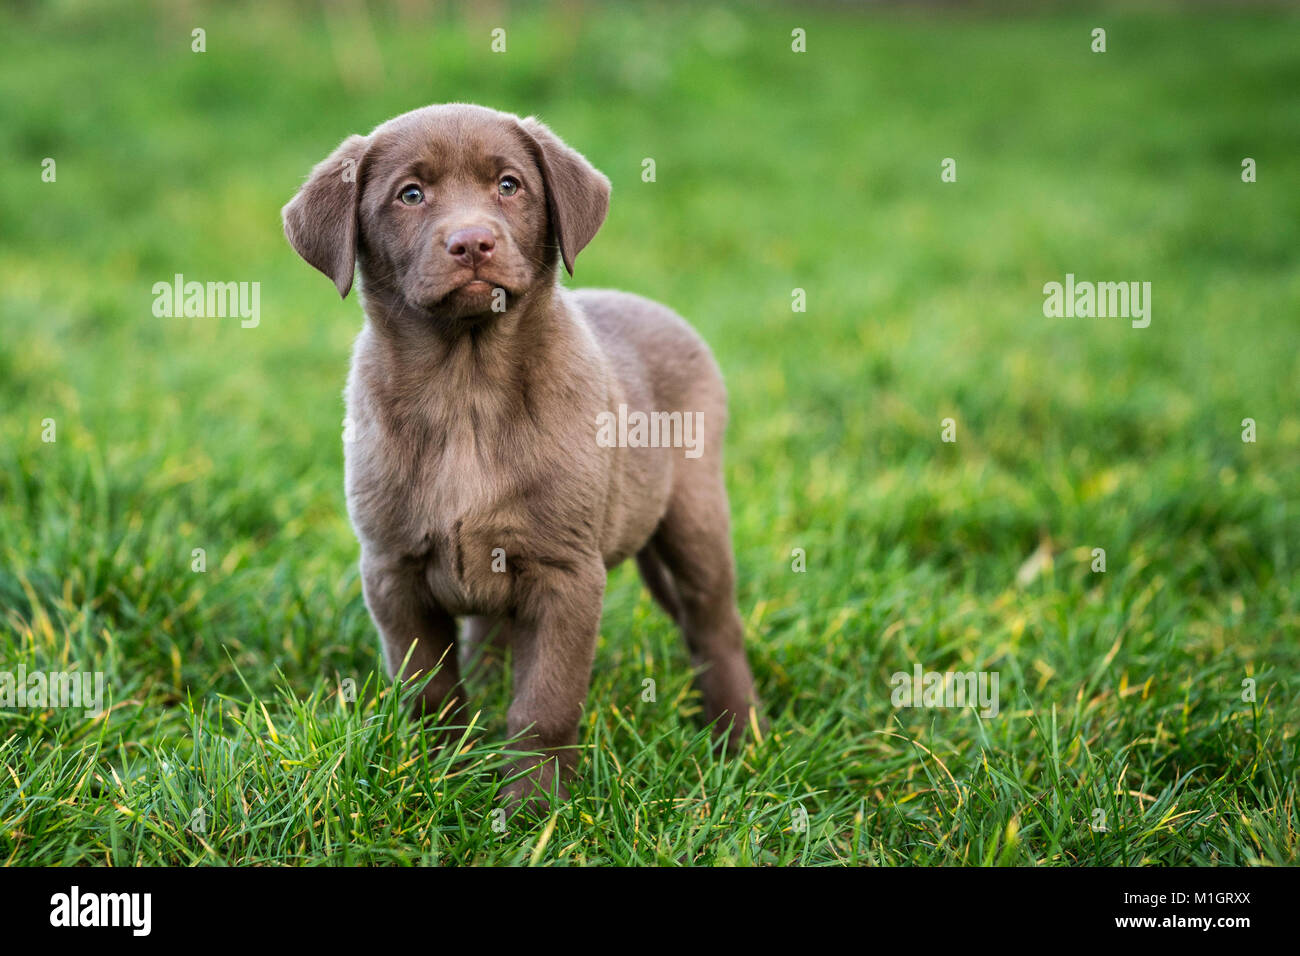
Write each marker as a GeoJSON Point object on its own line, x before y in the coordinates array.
{"type": "Point", "coordinates": [775, 171]}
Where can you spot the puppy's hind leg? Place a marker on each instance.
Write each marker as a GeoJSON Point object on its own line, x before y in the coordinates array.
{"type": "Point", "coordinates": [693, 542]}
{"type": "Point", "coordinates": [483, 644]}
{"type": "Point", "coordinates": [659, 582]}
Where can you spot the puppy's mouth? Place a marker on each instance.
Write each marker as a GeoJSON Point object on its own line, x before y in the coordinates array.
{"type": "Point", "coordinates": [477, 297]}
{"type": "Point", "coordinates": [473, 297]}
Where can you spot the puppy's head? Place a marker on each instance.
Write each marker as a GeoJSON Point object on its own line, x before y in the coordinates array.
{"type": "Point", "coordinates": [446, 205]}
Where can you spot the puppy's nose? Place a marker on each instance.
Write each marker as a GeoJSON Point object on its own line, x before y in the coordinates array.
{"type": "Point", "coordinates": [471, 247]}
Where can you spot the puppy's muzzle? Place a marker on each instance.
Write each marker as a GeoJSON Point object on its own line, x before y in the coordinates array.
{"type": "Point", "coordinates": [471, 247]}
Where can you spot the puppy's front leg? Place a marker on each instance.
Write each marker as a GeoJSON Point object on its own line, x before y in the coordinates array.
{"type": "Point", "coordinates": [405, 613]}
{"type": "Point", "coordinates": [553, 642]}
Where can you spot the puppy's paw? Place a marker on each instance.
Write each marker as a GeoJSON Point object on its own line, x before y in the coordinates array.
{"type": "Point", "coordinates": [537, 791]}
{"type": "Point", "coordinates": [731, 732]}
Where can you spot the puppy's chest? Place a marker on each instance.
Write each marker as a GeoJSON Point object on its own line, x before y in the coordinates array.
{"type": "Point", "coordinates": [434, 497]}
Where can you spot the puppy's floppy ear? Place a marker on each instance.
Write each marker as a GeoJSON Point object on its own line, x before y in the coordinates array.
{"type": "Point", "coordinates": [577, 194]}
{"type": "Point", "coordinates": [321, 220]}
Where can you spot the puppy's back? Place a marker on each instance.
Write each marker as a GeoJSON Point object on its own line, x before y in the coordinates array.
{"type": "Point", "coordinates": [662, 362]}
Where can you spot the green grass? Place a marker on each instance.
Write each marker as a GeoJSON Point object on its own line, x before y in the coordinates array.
{"type": "Point", "coordinates": [1120, 692]}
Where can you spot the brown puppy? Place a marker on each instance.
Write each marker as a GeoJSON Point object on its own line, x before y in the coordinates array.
{"type": "Point", "coordinates": [495, 468]}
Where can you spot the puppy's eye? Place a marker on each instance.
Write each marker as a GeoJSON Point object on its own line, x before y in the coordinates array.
{"type": "Point", "coordinates": [508, 186]}
{"type": "Point", "coordinates": [411, 195]}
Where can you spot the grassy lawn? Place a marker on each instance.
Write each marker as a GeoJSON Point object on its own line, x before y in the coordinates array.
{"type": "Point", "coordinates": [1125, 734]}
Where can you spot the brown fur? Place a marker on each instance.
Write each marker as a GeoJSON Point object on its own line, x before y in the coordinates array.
{"type": "Point", "coordinates": [475, 429]}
